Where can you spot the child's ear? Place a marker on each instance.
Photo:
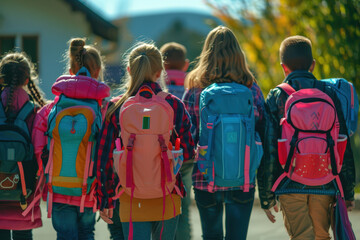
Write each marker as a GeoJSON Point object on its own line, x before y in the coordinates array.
{"type": "Point", "coordinates": [158, 74]}
{"type": "Point", "coordinates": [311, 69]}
{"type": "Point", "coordinates": [71, 73]}
{"type": "Point", "coordinates": [26, 81]}
{"type": "Point", "coordinates": [186, 65]}
{"type": "Point", "coordinates": [286, 70]}
{"type": "Point", "coordinates": [96, 74]}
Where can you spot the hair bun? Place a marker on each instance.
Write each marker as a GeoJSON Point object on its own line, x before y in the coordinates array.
{"type": "Point", "coordinates": [77, 42]}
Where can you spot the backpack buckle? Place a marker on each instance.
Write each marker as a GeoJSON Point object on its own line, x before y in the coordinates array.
{"type": "Point", "coordinates": [84, 189]}
{"type": "Point", "coordinates": [130, 145]}
{"type": "Point", "coordinates": [50, 188]}
{"type": "Point", "coordinates": [163, 146]}
{"type": "Point", "coordinates": [209, 125]}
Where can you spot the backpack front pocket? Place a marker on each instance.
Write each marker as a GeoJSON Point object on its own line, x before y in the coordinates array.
{"type": "Point", "coordinates": [312, 158]}
{"type": "Point", "coordinates": [229, 147]}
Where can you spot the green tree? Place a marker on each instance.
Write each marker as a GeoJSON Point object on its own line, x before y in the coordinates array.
{"type": "Point", "coordinates": [333, 26]}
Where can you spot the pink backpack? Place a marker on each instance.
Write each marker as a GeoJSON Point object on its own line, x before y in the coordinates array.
{"type": "Point", "coordinates": [310, 149]}
{"type": "Point", "coordinates": [145, 168]}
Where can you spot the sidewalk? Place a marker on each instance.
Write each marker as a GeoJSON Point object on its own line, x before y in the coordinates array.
{"type": "Point", "coordinates": [260, 227]}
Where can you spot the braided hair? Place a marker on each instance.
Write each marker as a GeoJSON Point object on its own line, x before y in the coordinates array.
{"type": "Point", "coordinates": [82, 55]}
{"type": "Point", "coordinates": [15, 70]}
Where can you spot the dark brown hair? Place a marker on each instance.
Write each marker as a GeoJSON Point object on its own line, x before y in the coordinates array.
{"type": "Point", "coordinates": [81, 55]}
{"type": "Point", "coordinates": [295, 53]}
{"type": "Point", "coordinates": [15, 69]}
{"type": "Point", "coordinates": [174, 55]}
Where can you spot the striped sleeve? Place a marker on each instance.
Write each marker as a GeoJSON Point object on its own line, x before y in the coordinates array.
{"type": "Point", "coordinates": [104, 162]}
{"type": "Point", "coordinates": [182, 127]}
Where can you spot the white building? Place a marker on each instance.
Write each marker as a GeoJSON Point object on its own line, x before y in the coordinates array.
{"type": "Point", "coordinates": [42, 29]}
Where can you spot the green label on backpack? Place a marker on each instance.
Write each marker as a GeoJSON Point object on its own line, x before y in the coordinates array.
{"type": "Point", "coordinates": [146, 122]}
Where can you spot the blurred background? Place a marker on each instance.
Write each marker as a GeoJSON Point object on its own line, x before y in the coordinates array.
{"type": "Point", "coordinates": [42, 28]}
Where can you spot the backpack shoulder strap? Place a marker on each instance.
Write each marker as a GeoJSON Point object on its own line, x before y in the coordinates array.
{"type": "Point", "coordinates": [287, 88]}
{"type": "Point", "coordinates": [2, 110]}
{"type": "Point", "coordinates": [25, 110]}
{"type": "Point", "coordinates": [162, 94]}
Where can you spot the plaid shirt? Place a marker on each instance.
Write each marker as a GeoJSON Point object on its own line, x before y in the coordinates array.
{"type": "Point", "coordinates": [106, 144]}
{"type": "Point", "coordinates": [191, 100]}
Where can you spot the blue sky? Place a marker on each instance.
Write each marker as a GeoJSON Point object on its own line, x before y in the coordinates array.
{"type": "Point", "coordinates": [112, 9]}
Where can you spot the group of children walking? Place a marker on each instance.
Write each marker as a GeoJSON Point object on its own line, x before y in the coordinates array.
{"type": "Point", "coordinates": [136, 156]}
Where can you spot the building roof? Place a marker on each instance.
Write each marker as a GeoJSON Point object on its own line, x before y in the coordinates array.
{"type": "Point", "coordinates": [98, 24]}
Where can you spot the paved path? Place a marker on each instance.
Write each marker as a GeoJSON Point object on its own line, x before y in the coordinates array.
{"type": "Point", "coordinates": [260, 228]}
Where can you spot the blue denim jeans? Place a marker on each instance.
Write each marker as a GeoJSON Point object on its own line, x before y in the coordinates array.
{"type": "Point", "coordinates": [16, 234]}
{"type": "Point", "coordinates": [238, 206]}
{"type": "Point", "coordinates": [70, 224]}
{"type": "Point", "coordinates": [115, 229]}
{"type": "Point", "coordinates": [152, 230]}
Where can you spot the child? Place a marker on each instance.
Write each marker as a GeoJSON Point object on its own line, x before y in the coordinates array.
{"type": "Point", "coordinates": [222, 63]}
{"type": "Point", "coordinates": [71, 124]}
{"type": "Point", "coordinates": [176, 64]}
{"type": "Point", "coordinates": [148, 216]}
{"type": "Point", "coordinates": [18, 88]}
{"type": "Point", "coordinates": [306, 209]}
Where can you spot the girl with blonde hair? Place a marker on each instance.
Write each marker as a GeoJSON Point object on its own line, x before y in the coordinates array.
{"type": "Point", "coordinates": [141, 217]}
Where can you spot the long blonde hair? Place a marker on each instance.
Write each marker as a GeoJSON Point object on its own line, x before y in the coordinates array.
{"type": "Point", "coordinates": [143, 62]}
{"type": "Point", "coordinates": [221, 60]}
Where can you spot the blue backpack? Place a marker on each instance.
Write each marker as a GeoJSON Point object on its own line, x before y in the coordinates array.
{"type": "Point", "coordinates": [229, 150]}
{"type": "Point", "coordinates": [17, 162]}
{"type": "Point", "coordinates": [349, 101]}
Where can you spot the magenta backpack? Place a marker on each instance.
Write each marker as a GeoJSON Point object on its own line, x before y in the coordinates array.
{"type": "Point", "coordinates": [310, 149]}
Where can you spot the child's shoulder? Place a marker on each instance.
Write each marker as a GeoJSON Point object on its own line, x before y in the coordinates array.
{"type": "Point", "coordinates": [115, 99]}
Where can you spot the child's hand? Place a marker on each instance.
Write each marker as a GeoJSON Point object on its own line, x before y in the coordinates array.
{"type": "Point", "coordinates": [106, 215]}
{"type": "Point", "coordinates": [350, 205]}
{"type": "Point", "coordinates": [270, 215]}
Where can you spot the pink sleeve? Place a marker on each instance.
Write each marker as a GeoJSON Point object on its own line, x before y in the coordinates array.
{"type": "Point", "coordinates": [39, 139]}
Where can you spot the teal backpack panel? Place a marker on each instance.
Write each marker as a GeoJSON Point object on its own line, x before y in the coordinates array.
{"type": "Point", "coordinates": [227, 126]}
{"type": "Point", "coordinates": [349, 101]}
{"type": "Point", "coordinates": [71, 132]}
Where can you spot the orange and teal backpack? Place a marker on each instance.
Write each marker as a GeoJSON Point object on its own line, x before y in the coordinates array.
{"type": "Point", "coordinates": [73, 125]}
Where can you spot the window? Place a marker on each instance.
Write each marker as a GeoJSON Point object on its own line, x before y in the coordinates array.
{"type": "Point", "coordinates": [31, 48]}
{"type": "Point", "coordinates": [7, 43]}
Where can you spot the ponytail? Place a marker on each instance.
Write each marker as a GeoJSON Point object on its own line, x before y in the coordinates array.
{"type": "Point", "coordinates": [35, 93]}
{"type": "Point", "coordinates": [143, 62]}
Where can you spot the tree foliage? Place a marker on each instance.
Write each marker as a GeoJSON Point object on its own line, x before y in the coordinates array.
{"type": "Point", "coordinates": [333, 26]}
